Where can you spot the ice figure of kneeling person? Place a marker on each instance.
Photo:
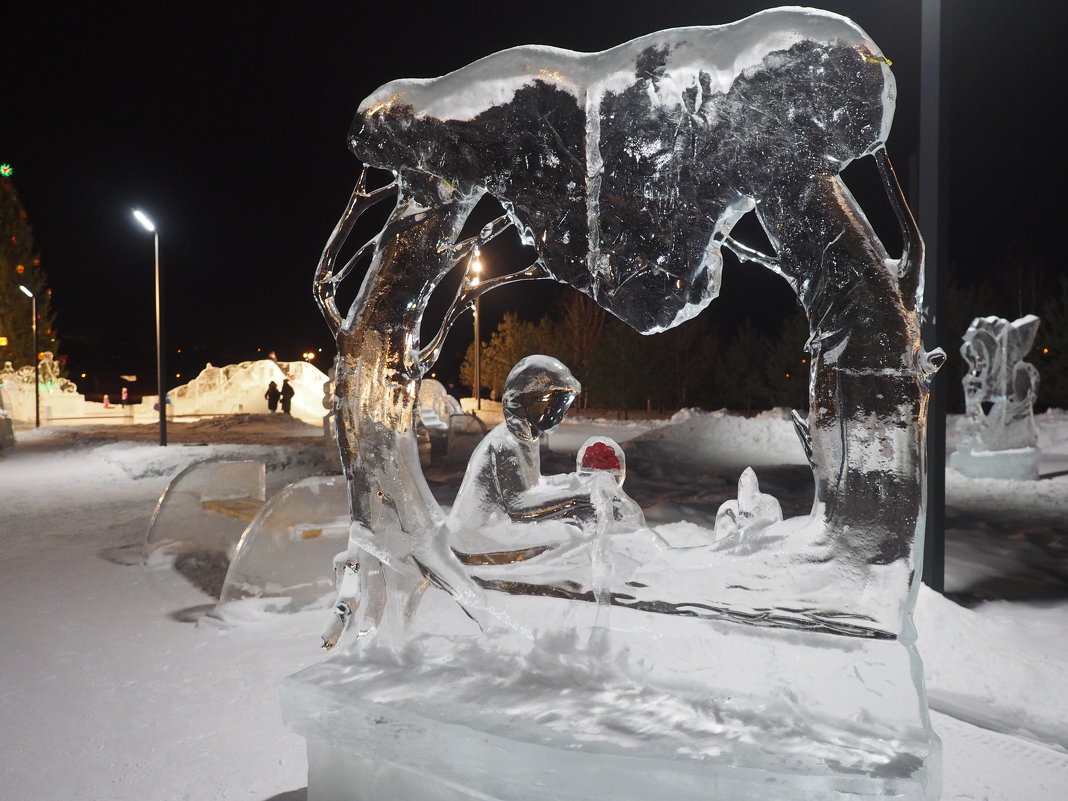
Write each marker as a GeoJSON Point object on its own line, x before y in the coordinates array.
{"type": "Point", "coordinates": [503, 485]}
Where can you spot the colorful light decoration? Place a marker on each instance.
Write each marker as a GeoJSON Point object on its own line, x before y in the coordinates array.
{"type": "Point", "coordinates": [6, 170]}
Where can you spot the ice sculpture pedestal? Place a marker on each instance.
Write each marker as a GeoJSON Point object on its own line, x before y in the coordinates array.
{"type": "Point", "coordinates": [1016, 464]}
{"type": "Point", "coordinates": [688, 710]}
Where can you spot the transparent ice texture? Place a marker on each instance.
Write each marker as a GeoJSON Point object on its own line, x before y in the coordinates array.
{"type": "Point", "coordinates": [190, 496]}
{"type": "Point", "coordinates": [999, 387]}
{"type": "Point", "coordinates": [282, 551]}
{"type": "Point", "coordinates": [749, 514]}
{"type": "Point", "coordinates": [627, 170]}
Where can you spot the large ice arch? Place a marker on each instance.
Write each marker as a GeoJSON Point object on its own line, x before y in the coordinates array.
{"type": "Point", "coordinates": [627, 171]}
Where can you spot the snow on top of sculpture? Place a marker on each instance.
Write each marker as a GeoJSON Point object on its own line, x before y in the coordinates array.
{"type": "Point", "coordinates": [999, 387]}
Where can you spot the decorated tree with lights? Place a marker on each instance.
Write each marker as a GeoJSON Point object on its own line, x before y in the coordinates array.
{"type": "Point", "coordinates": [21, 266]}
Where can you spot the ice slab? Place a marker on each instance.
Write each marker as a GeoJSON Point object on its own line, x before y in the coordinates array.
{"type": "Point", "coordinates": [1014, 464]}
{"type": "Point", "coordinates": [681, 713]}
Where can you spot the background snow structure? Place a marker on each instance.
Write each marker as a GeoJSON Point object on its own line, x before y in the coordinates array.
{"type": "Point", "coordinates": [780, 661]}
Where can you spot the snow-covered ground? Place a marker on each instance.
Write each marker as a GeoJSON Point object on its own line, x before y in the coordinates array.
{"type": "Point", "coordinates": [115, 687]}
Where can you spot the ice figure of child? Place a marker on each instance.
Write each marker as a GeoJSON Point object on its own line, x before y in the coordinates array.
{"type": "Point", "coordinates": [503, 485]}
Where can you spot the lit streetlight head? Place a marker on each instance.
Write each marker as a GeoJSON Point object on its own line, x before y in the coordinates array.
{"type": "Point", "coordinates": [25, 291]}
{"type": "Point", "coordinates": [142, 218]}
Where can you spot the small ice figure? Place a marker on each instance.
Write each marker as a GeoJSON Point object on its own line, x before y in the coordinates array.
{"type": "Point", "coordinates": [751, 513]}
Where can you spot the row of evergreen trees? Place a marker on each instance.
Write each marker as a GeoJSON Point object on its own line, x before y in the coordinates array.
{"type": "Point", "coordinates": [620, 369]}
{"type": "Point", "coordinates": [20, 265]}
{"type": "Point", "coordinates": [700, 364]}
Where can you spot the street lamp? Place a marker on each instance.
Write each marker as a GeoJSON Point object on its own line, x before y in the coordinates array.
{"type": "Point", "coordinates": [36, 361]}
{"type": "Point", "coordinates": [474, 269]}
{"type": "Point", "coordinates": [142, 218]}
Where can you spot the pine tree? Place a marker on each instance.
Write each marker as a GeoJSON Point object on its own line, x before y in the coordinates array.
{"type": "Point", "coordinates": [19, 265]}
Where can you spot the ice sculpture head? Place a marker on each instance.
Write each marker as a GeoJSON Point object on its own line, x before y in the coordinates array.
{"type": "Point", "coordinates": [575, 145]}
{"type": "Point", "coordinates": [537, 394]}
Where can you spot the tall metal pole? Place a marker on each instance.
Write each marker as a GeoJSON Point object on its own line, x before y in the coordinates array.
{"type": "Point", "coordinates": [930, 219]}
{"type": "Point", "coordinates": [478, 362]}
{"type": "Point", "coordinates": [159, 351]}
{"type": "Point", "coordinates": [36, 367]}
{"type": "Point", "coordinates": [36, 361]}
{"type": "Point", "coordinates": [474, 275]}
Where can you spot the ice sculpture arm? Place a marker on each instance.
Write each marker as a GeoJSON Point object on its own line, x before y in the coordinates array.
{"type": "Point", "coordinates": [465, 299]}
{"type": "Point", "coordinates": [326, 280]}
{"type": "Point", "coordinates": [910, 265]}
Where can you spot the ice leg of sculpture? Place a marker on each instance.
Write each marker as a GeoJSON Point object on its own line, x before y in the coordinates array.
{"type": "Point", "coordinates": [390, 501]}
{"type": "Point", "coordinates": [869, 382]}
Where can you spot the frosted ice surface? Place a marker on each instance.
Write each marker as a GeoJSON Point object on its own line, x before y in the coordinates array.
{"type": "Point", "coordinates": [283, 550]}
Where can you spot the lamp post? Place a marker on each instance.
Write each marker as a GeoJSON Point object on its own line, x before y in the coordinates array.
{"type": "Point", "coordinates": [142, 218]}
{"type": "Point", "coordinates": [36, 361]}
{"type": "Point", "coordinates": [475, 270]}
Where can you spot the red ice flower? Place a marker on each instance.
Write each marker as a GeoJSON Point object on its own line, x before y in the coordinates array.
{"type": "Point", "coordinates": [600, 456]}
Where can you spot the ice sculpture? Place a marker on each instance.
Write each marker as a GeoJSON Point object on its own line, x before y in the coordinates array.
{"type": "Point", "coordinates": [7, 425]}
{"type": "Point", "coordinates": [998, 438]}
{"type": "Point", "coordinates": [748, 515]}
{"type": "Point", "coordinates": [503, 483]}
{"type": "Point", "coordinates": [627, 171]}
{"type": "Point", "coordinates": [238, 388]}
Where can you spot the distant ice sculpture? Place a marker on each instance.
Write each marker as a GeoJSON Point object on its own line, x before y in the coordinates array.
{"type": "Point", "coordinates": [56, 396]}
{"type": "Point", "coordinates": [627, 171]}
{"type": "Point", "coordinates": [238, 389]}
{"type": "Point", "coordinates": [998, 437]}
{"type": "Point", "coordinates": [7, 425]}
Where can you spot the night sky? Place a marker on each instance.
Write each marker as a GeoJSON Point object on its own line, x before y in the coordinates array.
{"type": "Point", "coordinates": [228, 127]}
